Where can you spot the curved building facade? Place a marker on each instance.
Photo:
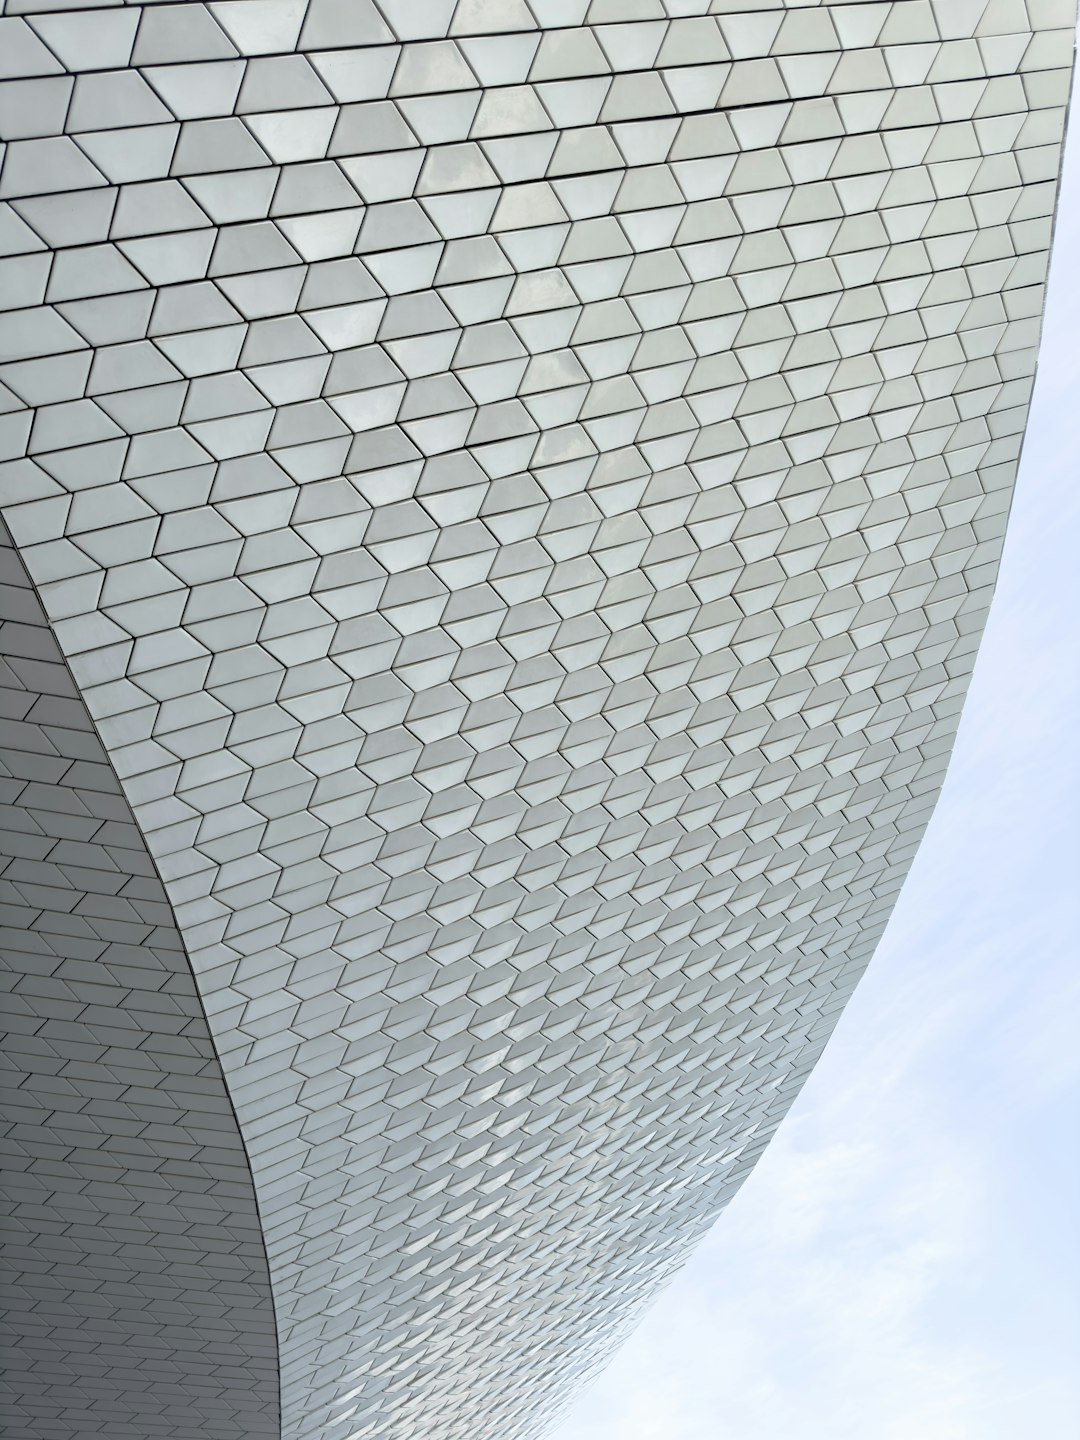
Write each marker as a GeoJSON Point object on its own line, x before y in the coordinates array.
{"type": "Point", "coordinates": [503, 500]}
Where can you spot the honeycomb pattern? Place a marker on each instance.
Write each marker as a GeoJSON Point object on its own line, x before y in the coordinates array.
{"type": "Point", "coordinates": [518, 487]}
{"type": "Point", "coordinates": [136, 1291]}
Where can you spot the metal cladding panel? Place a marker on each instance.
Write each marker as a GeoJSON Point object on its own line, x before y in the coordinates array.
{"type": "Point", "coordinates": [519, 488]}
{"type": "Point", "coordinates": [136, 1294]}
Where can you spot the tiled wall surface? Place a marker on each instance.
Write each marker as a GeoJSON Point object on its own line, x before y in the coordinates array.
{"type": "Point", "coordinates": [136, 1294]}
{"type": "Point", "coordinates": [518, 487]}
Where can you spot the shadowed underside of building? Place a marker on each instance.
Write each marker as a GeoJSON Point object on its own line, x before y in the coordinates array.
{"type": "Point", "coordinates": [501, 505]}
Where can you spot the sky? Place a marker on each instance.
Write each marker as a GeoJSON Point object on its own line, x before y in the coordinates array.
{"type": "Point", "coordinates": [904, 1262]}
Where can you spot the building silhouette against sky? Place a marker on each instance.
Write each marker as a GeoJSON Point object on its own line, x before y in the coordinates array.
{"type": "Point", "coordinates": [500, 505]}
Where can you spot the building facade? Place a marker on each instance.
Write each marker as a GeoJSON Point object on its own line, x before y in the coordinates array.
{"type": "Point", "coordinates": [500, 501]}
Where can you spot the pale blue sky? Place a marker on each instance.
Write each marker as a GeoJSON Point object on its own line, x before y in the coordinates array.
{"type": "Point", "coordinates": [904, 1263]}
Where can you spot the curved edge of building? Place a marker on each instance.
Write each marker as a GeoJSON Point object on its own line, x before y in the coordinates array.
{"type": "Point", "coordinates": [137, 1295]}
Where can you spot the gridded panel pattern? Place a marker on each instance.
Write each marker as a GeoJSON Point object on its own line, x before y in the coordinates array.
{"type": "Point", "coordinates": [136, 1294]}
{"type": "Point", "coordinates": [519, 486]}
